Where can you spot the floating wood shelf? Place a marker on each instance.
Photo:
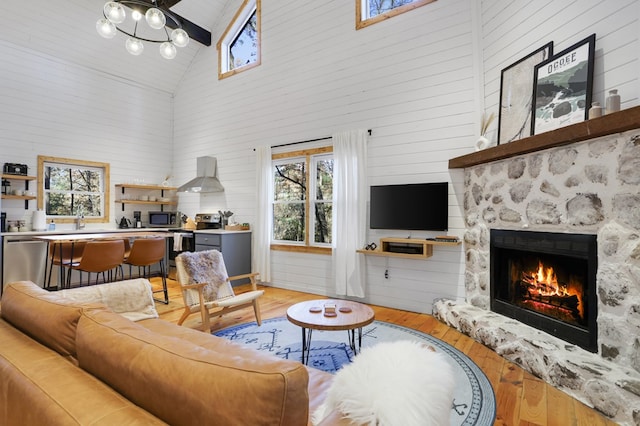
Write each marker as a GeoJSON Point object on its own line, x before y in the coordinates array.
{"type": "Point", "coordinates": [160, 188]}
{"type": "Point", "coordinates": [26, 180]}
{"type": "Point", "coordinates": [609, 124]}
{"type": "Point", "coordinates": [154, 187]}
{"type": "Point", "coordinates": [415, 248]}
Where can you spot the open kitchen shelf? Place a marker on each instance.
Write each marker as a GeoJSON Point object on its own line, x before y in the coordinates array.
{"type": "Point", "coordinates": [417, 248]}
{"type": "Point", "coordinates": [162, 189]}
{"type": "Point", "coordinates": [26, 180]}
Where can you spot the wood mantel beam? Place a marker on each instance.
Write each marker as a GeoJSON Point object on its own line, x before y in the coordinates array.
{"type": "Point", "coordinates": [616, 122]}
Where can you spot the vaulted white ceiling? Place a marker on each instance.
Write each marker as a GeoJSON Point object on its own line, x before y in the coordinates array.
{"type": "Point", "coordinates": [64, 30]}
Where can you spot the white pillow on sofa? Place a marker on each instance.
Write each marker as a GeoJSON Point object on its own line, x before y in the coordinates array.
{"type": "Point", "coordinates": [396, 383]}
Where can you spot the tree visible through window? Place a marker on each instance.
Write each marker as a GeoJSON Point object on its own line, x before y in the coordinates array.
{"type": "Point", "coordinates": [239, 46]}
{"type": "Point", "coordinates": [244, 48]}
{"type": "Point", "coordinates": [302, 199]}
{"type": "Point", "coordinates": [69, 188]}
{"type": "Point", "coordinates": [371, 11]}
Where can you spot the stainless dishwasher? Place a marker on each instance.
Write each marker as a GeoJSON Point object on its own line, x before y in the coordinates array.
{"type": "Point", "coordinates": [24, 259]}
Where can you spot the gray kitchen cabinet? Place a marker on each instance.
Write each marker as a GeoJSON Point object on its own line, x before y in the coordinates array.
{"type": "Point", "coordinates": [234, 246]}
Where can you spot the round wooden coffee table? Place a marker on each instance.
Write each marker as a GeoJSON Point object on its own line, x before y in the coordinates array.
{"type": "Point", "coordinates": [316, 315]}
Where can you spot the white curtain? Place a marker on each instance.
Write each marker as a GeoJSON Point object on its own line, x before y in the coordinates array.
{"type": "Point", "coordinates": [349, 210]}
{"type": "Point", "coordinates": [262, 228]}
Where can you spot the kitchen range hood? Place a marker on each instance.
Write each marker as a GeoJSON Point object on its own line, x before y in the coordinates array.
{"type": "Point", "coordinates": [206, 179]}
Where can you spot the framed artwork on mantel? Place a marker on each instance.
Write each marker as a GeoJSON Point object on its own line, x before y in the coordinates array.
{"type": "Point", "coordinates": [562, 87]}
{"type": "Point", "coordinates": [516, 95]}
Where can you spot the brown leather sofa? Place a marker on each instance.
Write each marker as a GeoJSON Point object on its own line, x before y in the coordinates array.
{"type": "Point", "coordinates": [70, 362]}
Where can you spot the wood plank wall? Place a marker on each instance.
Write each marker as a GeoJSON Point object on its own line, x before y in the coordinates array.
{"type": "Point", "coordinates": [420, 81]}
{"type": "Point", "coordinates": [411, 79]}
{"type": "Point", "coordinates": [51, 107]}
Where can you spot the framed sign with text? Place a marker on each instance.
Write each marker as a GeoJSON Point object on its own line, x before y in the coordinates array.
{"type": "Point", "coordinates": [562, 87]}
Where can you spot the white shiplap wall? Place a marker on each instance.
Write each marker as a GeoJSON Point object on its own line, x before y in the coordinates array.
{"type": "Point", "coordinates": [52, 107]}
{"type": "Point", "coordinates": [409, 79]}
{"type": "Point", "coordinates": [511, 30]}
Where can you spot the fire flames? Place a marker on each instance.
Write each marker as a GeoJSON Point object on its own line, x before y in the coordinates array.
{"type": "Point", "coordinates": [542, 288]}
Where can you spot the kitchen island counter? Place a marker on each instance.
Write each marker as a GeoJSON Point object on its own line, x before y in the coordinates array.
{"type": "Point", "coordinates": [25, 255]}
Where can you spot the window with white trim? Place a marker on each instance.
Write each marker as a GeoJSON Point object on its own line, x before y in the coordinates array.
{"type": "Point", "coordinates": [239, 46]}
{"type": "Point", "coordinates": [302, 200]}
{"type": "Point", "coordinates": [68, 188]}
{"type": "Point", "coordinates": [369, 12]}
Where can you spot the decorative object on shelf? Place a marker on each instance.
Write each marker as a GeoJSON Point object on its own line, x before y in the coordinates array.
{"type": "Point", "coordinates": [563, 86]}
{"type": "Point", "coordinates": [612, 102]}
{"type": "Point", "coordinates": [595, 111]}
{"type": "Point", "coordinates": [225, 217]}
{"type": "Point", "coordinates": [516, 94]}
{"type": "Point", "coordinates": [157, 19]}
{"type": "Point", "coordinates": [482, 141]}
{"type": "Point", "coordinates": [15, 169]}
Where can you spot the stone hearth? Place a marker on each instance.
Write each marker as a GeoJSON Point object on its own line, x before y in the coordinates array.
{"type": "Point", "coordinates": [589, 187]}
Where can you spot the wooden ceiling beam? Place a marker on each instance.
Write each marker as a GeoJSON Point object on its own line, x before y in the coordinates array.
{"type": "Point", "coordinates": [195, 31]}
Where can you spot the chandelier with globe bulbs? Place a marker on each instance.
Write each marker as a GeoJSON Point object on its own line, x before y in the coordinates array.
{"type": "Point", "coordinates": [115, 19]}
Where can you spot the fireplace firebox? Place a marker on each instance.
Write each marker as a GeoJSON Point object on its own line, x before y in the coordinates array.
{"type": "Point", "coordinates": [547, 281]}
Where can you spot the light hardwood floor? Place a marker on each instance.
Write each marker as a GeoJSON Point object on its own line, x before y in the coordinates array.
{"type": "Point", "coordinates": [521, 398]}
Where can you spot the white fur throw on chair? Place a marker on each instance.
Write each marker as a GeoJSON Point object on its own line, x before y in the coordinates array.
{"type": "Point", "coordinates": [396, 383]}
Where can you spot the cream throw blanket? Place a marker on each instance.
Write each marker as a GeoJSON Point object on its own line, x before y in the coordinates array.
{"type": "Point", "coordinates": [133, 299]}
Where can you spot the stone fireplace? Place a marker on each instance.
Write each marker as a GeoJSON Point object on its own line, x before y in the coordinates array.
{"type": "Point", "coordinates": [589, 188]}
{"type": "Point", "coordinates": [548, 281]}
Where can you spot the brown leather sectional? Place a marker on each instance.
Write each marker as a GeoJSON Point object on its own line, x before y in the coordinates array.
{"type": "Point", "coordinates": [68, 363]}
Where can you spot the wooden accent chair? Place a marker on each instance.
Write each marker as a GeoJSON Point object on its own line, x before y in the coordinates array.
{"type": "Point", "coordinates": [206, 287]}
{"type": "Point", "coordinates": [100, 257]}
{"type": "Point", "coordinates": [144, 253]}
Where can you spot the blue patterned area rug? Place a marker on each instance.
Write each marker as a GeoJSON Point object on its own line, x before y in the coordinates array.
{"type": "Point", "coordinates": [474, 401]}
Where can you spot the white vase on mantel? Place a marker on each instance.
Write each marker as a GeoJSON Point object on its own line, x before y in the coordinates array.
{"type": "Point", "coordinates": [482, 143]}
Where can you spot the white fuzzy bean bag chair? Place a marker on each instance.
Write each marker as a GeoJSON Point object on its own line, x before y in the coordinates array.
{"type": "Point", "coordinates": [397, 383]}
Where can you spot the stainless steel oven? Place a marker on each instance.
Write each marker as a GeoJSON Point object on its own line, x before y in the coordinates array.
{"type": "Point", "coordinates": [181, 240]}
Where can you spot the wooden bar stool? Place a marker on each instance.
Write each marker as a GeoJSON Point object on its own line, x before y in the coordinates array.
{"type": "Point", "coordinates": [64, 254]}
{"type": "Point", "coordinates": [100, 257]}
{"type": "Point", "coordinates": [146, 252]}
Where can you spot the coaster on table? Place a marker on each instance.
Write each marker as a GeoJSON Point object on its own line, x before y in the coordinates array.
{"type": "Point", "coordinates": [345, 309]}
{"type": "Point", "coordinates": [315, 309]}
{"type": "Point", "coordinates": [330, 314]}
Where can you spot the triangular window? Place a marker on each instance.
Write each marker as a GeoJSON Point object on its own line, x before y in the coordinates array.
{"type": "Point", "coordinates": [239, 46]}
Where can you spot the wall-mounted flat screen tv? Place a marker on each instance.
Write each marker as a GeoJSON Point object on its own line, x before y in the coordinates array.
{"type": "Point", "coordinates": [415, 207]}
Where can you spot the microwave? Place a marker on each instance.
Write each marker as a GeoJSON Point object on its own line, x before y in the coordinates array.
{"type": "Point", "coordinates": [160, 219]}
